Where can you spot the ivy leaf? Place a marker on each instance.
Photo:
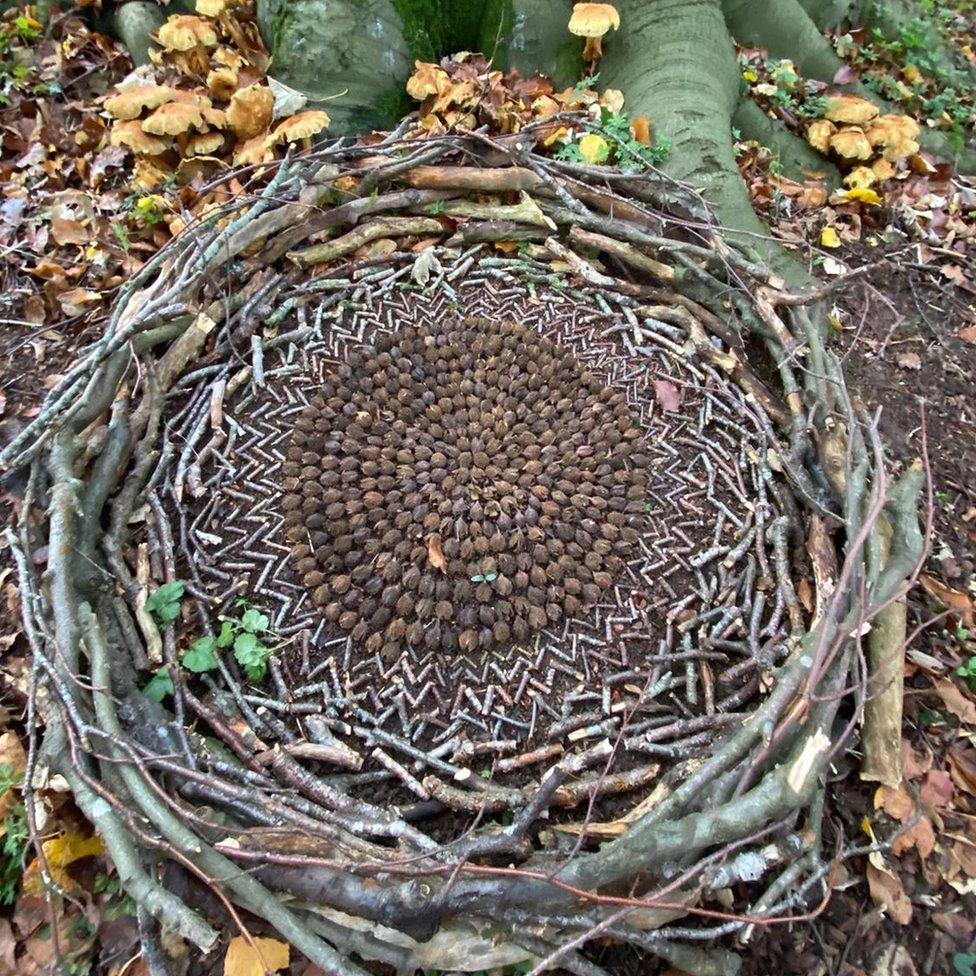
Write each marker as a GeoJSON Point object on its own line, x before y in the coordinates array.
{"type": "Point", "coordinates": [254, 622]}
{"type": "Point", "coordinates": [159, 685]}
{"type": "Point", "coordinates": [226, 636]}
{"type": "Point", "coordinates": [200, 657]}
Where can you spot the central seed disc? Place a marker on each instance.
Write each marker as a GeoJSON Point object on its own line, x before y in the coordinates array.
{"type": "Point", "coordinates": [460, 487]}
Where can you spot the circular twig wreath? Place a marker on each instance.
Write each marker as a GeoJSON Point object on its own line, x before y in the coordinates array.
{"type": "Point", "coordinates": [464, 549]}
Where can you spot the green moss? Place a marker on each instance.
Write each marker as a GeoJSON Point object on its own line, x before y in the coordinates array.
{"type": "Point", "coordinates": [435, 28]}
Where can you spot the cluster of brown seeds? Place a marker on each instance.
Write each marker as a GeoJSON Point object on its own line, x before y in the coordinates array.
{"type": "Point", "coordinates": [461, 486]}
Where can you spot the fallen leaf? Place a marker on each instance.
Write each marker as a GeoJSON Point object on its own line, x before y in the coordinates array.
{"type": "Point", "coordinates": [863, 194]}
{"type": "Point", "coordinates": [829, 237]}
{"type": "Point", "coordinates": [255, 956]}
{"type": "Point", "coordinates": [896, 802]}
{"type": "Point", "coordinates": [893, 960]}
{"type": "Point", "coordinates": [914, 765]}
{"type": "Point", "coordinates": [435, 554]}
{"type": "Point", "coordinates": [594, 148]}
{"type": "Point", "coordinates": [962, 768]}
{"type": "Point", "coordinates": [937, 789]}
{"type": "Point", "coordinates": [955, 274]}
{"type": "Point", "coordinates": [910, 360]}
{"type": "Point", "coordinates": [69, 232]}
{"type": "Point", "coordinates": [887, 891]}
{"type": "Point", "coordinates": [59, 853]}
{"type": "Point", "coordinates": [968, 334]}
{"type": "Point", "coordinates": [668, 395]}
{"type": "Point", "coordinates": [920, 835]}
{"type": "Point", "coordinates": [953, 698]}
{"type": "Point", "coordinates": [965, 854]}
{"type": "Point", "coordinates": [961, 604]}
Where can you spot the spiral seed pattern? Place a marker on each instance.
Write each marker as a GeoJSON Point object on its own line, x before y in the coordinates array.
{"type": "Point", "coordinates": [460, 486]}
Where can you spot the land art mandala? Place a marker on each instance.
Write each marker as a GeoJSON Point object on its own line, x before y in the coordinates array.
{"type": "Point", "coordinates": [404, 574]}
{"type": "Point", "coordinates": [460, 486]}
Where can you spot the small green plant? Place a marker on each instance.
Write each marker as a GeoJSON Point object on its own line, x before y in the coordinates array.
{"type": "Point", "coordinates": [620, 147]}
{"type": "Point", "coordinates": [244, 636]}
{"type": "Point", "coordinates": [16, 67]}
{"type": "Point", "coordinates": [964, 963]}
{"type": "Point", "coordinates": [967, 671]}
{"type": "Point", "coordinates": [164, 603]}
{"type": "Point", "coordinates": [14, 842]}
{"type": "Point", "coordinates": [118, 904]}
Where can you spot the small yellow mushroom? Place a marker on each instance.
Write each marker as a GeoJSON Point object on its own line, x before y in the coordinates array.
{"type": "Point", "coordinates": [300, 128]}
{"type": "Point", "coordinates": [250, 111]}
{"type": "Point", "coordinates": [592, 21]}
{"type": "Point", "coordinates": [129, 102]}
{"type": "Point", "coordinates": [174, 119]}
{"type": "Point", "coordinates": [132, 135]}
{"type": "Point", "coordinates": [222, 82]}
{"type": "Point", "coordinates": [258, 150]}
{"type": "Point", "coordinates": [186, 32]}
{"type": "Point", "coordinates": [205, 144]}
{"type": "Point", "coordinates": [851, 143]}
{"type": "Point", "coordinates": [850, 109]}
{"type": "Point", "coordinates": [819, 133]}
{"type": "Point", "coordinates": [895, 135]}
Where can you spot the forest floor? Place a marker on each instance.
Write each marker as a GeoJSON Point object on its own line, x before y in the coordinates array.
{"type": "Point", "coordinates": [73, 228]}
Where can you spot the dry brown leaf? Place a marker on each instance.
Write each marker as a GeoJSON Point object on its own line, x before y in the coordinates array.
{"type": "Point", "coordinates": [914, 765]}
{"type": "Point", "coordinates": [960, 603]}
{"type": "Point", "coordinates": [435, 554]}
{"type": "Point", "coordinates": [965, 854]}
{"type": "Point", "coordinates": [667, 395]}
{"type": "Point", "coordinates": [910, 360]}
{"type": "Point", "coordinates": [887, 891]}
{"type": "Point", "coordinates": [255, 956]}
{"type": "Point", "coordinates": [967, 334]}
{"type": "Point", "coordinates": [921, 836]}
{"type": "Point", "coordinates": [962, 767]}
{"type": "Point", "coordinates": [897, 802]}
{"type": "Point", "coordinates": [937, 789]}
{"type": "Point", "coordinates": [65, 231]}
{"type": "Point", "coordinates": [956, 701]}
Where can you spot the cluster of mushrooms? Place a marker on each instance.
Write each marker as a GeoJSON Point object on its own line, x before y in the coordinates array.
{"type": "Point", "coordinates": [460, 487]}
